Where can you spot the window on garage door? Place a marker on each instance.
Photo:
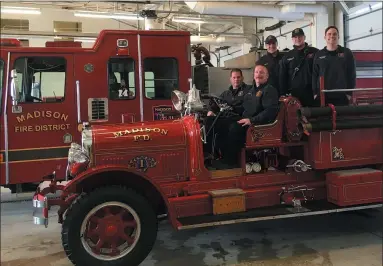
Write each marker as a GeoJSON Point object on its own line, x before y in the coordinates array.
{"type": "Point", "coordinates": [161, 77]}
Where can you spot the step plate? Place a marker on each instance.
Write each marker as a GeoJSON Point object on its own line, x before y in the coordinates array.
{"type": "Point", "coordinates": [267, 213]}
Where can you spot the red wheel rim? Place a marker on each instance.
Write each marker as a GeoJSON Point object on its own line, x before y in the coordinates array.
{"type": "Point", "coordinates": [110, 231]}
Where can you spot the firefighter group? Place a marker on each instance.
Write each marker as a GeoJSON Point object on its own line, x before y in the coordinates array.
{"type": "Point", "coordinates": [295, 73]}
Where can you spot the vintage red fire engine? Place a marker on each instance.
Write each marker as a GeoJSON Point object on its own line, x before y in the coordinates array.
{"type": "Point", "coordinates": [47, 92]}
{"type": "Point", "coordinates": [123, 178]}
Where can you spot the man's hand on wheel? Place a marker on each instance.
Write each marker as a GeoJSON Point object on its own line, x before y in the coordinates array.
{"type": "Point", "coordinates": [210, 113]}
{"type": "Point", "coordinates": [245, 122]}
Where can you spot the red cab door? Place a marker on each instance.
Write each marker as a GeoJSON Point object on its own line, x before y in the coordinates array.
{"type": "Point", "coordinates": [163, 70]}
{"type": "Point", "coordinates": [43, 122]}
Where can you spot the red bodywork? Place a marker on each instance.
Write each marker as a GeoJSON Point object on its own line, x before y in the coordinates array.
{"type": "Point", "coordinates": [38, 135]}
{"type": "Point", "coordinates": [169, 163]}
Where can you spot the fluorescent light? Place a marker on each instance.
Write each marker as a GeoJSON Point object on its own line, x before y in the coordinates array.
{"type": "Point", "coordinates": [107, 15]}
{"type": "Point", "coordinates": [20, 10]}
{"type": "Point", "coordinates": [188, 20]}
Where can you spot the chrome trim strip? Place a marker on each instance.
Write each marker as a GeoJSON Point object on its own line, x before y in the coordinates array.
{"type": "Point", "coordinates": [140, 78]}
{"type": "Point", "coordinates": [6, 121]}
{"type": "Point", "coordinates": [78, 101]}
{"type": "Point", "coordinates": [38, 203]}
{"type": "Point", "coordinates": [40, 221]}
{"type": "Point", "coordinates": [185, 227]}
{"type": "Point", "coordinates": [365, 89]}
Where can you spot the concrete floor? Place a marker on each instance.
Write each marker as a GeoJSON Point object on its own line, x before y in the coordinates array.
{"type": "Point", "coordinates": [344, 239]}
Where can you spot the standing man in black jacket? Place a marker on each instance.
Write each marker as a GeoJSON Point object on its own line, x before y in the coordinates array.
{"type": "Point", "coordinates": [337, 65]}
{"type": "Point", "coordinates": [295, 73]}
{"type": "Point", "coordinates": [271, 60]}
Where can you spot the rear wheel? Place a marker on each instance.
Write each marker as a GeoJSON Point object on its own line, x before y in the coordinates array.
{"type": "Point", "coordinates": [111, 226]}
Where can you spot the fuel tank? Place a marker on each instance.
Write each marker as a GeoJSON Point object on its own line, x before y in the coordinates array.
{"type": "Point", "coordinates": [139, 136]}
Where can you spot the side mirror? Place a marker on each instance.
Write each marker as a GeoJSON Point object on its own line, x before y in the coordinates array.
{"type": "Point", "coordinates": [14, 90]}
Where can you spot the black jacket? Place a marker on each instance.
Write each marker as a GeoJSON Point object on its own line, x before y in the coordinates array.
{"type": "Point", "coordinates": [272, 64]}
{"type": "Point", "coordinates": [261, 104]}
{"type": "Point", "coordinates": [338, 69]}
{"type": "Point", "coordinates": [301, 84]}
{"type": "Point", "coordinates": [233, 98]}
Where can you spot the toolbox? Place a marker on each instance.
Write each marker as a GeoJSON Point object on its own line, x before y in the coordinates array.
{"type": "Point", "coordinates": [355, 186]}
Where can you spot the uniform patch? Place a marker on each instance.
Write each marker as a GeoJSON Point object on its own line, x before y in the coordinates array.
{"type": "Point", "coordinates": [240, 93]}
{"type": "Point", "coordinates": [259, 94]}
{"type": "Point", "coordinates": [322, 57]}
{"type": "Point", "coordinates": [341, 54]}
{"type": "Point", "coordinates": [310, 55]}
{"type": "Point", "coordinates": [289, 59]}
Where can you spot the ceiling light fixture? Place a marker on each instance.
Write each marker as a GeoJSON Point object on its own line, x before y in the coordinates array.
{"type": "Point", "coordinates": [20, 10]}
{"type": "Point", "coordinates": [123, 16]}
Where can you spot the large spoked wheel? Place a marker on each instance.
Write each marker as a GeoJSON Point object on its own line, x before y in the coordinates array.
{"type": "Point", "coordinates": [110, 226]}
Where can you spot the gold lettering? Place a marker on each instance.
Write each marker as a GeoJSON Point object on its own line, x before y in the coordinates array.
{"type": "Point", "coordinates": [24, 129]}
{"type": "Point", "coordinates": [36, 114]}
{"type": "Point", "coordinates": [37, 128]}
{"type": "Point", "coordinates": [48, 114]}
{"type": "Point", "coordinates": [141, 137]}
{"type": "Point", "coordinates": [29, 116]}
{"type": "Point", "coordinates": [136, 130]}
{"type": "Point", "coordinates": [20, 118]}
{"type": "Point", "coordinates": [64, 117]}
{"type": "Point", "coordinates": [56, 115]}
{"type": "Point", "coordinates": [30, 128]}
{"type": "Point", "coordinates": [17, 129]}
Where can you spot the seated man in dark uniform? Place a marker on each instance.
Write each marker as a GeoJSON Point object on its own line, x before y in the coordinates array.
{"type": "Point", "coordinates": [260, 106]}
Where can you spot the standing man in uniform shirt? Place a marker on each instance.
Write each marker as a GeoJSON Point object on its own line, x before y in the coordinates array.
{"type": "Point", "coordinates": [271, 61]}
{"type": "Point", "coordinates": [337, 65]}
{"type": "Point", "coordinates": [295, 73]}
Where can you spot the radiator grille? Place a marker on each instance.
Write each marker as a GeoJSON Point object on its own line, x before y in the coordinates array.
{"type": "Point", "coordinates": [98, 109]}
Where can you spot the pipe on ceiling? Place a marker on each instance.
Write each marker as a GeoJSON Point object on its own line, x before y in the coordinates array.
{"type": "Point", "coordinates": [291, 12]}
{"type": "Point", "coordinates": [219, 41]}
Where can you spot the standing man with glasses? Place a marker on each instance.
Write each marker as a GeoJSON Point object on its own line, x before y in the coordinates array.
{"type": "Point", "coordinates": [337, 65]}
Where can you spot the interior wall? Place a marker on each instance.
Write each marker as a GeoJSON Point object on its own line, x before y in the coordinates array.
{"type": "Point", "coordinates": [364, 31]}
{"type": "Point", "coordinates": [283, 34]}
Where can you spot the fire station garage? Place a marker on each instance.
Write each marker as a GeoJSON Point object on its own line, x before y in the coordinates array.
{"type": "Point", "coordinates": [191, 133]}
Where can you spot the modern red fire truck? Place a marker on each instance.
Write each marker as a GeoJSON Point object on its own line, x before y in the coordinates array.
{"type": "Point", "coordinates": [122, 178]}
{"type": "Point", "coordinates": [47, 92]}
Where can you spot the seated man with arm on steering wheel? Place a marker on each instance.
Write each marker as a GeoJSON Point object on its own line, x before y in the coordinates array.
{"type": "Point", "coordinates": [260, 106]}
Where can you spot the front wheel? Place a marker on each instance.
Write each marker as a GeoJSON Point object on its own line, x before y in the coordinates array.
{"type": "Point", "coordinates": [111, 226]}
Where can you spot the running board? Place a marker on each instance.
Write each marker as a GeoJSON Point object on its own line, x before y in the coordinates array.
{"type": "Point", "coordinates": [268, 213]}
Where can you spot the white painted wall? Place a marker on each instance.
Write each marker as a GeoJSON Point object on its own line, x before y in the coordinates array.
{"type": "Point", "coordinates": [363, 27]}
{"type": "Point", "coordinates": [44, 22]}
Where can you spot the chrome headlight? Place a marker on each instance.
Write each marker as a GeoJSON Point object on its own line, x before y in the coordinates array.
{"type": "Point", "coordinates": [178, 99]}
{"type": "Point", "coordinates": [76, 154]}
{"type": "Point", "coordinates": [87, 141]}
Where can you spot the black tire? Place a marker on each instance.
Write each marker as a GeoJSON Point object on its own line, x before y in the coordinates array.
{"type": "Point", "coordinates": [80, 208]}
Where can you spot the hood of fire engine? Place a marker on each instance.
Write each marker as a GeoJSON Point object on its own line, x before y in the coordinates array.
{"type": "Point", "coordinates": [137, 136]}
